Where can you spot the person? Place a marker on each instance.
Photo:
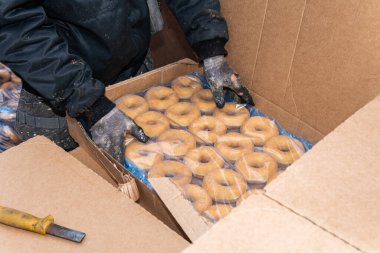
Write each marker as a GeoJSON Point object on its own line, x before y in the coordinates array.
{"type": "Point", "coordinates": [66, 52]}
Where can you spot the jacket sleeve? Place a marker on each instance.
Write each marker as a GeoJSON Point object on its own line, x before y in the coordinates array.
{"type": "Point", "coordinates": [32, 48]}
{"type": "Point", "coordinates": [203, 24]}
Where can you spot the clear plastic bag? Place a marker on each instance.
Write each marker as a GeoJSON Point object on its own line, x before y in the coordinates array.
{"type": "Point", "coordinates": [217, 157]}
{"type": "Point", "coordinates": [10, 88]}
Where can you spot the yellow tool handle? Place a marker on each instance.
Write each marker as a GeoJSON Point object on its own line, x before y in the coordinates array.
{"type": "Point", "coordinates": [18, 219]}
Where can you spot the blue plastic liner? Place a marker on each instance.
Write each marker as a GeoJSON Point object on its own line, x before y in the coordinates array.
{"type": "Point", "coordinates": [230, 97]}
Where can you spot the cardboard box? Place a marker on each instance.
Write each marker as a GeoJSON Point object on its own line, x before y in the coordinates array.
{"type": "Point", "coordinates": [311, 65]}
{"type": "Point", "coordinates": [40, 178]}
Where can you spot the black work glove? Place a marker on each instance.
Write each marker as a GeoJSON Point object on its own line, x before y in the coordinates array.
{"type": "Point", "coordinates": [220, 75]}
{"type": "Point", "coordinates": [110, 131]}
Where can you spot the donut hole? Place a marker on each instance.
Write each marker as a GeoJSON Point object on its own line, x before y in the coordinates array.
{"type": "Point", "coordinates": [207, 128]}
{"type": "Point", "coordinates": [177, 142]}
{"type": "Point", "coordinates": [204, 159]}
{"type": "Point", "coordinates": [151, 122]}
{"type": "Point", "coordinates": [225, 183]}
{"type": "Point", "coordinates": [183, 113]}
{"type": "Point", "coordinates": [143, 153]}
{"type": "Point", "coordinates": [170, 175]}
{"type": "Point", "coordinates": [259, 128]}
{"type": "Point", "coordinates": [231, 113]}
{"type": "Point", "coordinates": [257, 165]}
{"type": "Point", "coordinates": [133, 106]}
{"type": "Point", "coordinates": [234, 145]}
{"type": "Point", "coordinates": [163, 97]}
{"type": "Point", "coordinates": [284, 149]}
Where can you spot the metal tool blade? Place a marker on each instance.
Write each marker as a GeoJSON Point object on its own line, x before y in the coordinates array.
{"type": "Point", "coordinates": [65, 233]}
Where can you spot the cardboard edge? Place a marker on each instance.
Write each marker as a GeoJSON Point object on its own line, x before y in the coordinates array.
{"type": "Point", "coordinates": [187, 217]}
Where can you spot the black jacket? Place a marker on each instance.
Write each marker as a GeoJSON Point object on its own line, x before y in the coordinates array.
{"type": "Point", "coordinates": [66, 50]}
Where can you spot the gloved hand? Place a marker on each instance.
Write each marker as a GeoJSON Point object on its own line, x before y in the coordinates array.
{"type": "Point", "coordinates": [220, 75]}
{"type": "Point", "coordinates": [110, 131]}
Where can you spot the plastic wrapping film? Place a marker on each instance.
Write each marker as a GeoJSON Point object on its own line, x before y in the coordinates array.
{"type": "Point", "coordinates": [217, 157]}
{"type": "Point", "coordinates": [10, 87]}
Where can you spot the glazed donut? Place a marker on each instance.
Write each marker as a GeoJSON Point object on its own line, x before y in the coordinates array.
{"type": "Point", "coordinates": [15, 78]}
{"type": "Point", "coordinates": [285, 150]}
{"type": "Point", "coordinates": [247, 195]}
{"type": "Point", "coordinates": [217, 212]}
{"type": "Point", "coordinates": [207, 129]}
{"type": "Point", "coordinates": [132, 105]}
{"type": "Point", "coordinates": [259, 129]}
{"type": "Point", "coordinates": [186, 86]}
{"type": "Point", "coordinates": [198, 196]}
{"type": "Point", "coordinates": [203, 160]}
{"type": "Point", "coordinates": [234, 145]}
{"type": "Point", "coordinates": [232, 115]}
{"type": "Point", "coordinates": [176, 171]}
{"type": "Point", "coordinates": [256, 168]}
{"type": "Point", "coordinates": [153, 123]}
{"type": "Point", "coordinates": [160, 98]}
{"type": "Point", "coordinates": [144, 156]}
{"type": "Point", "coordinates": [5, 76]}
{"type": "Point", "coordinates": [176, 142]}
{"type": "Point", "coordinates": [182, 114]}
{"type": "Point", "coordinates": [224, 185]}
{"type": "Point", "coordinates": [204, 100]}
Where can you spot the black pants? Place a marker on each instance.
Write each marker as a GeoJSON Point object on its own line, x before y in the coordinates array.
{"type": "Point", "coordinates": [36, 117]}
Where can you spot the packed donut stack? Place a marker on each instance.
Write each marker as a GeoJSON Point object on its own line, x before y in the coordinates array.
{"type": "Point", "coordinates": [217, 157]}
{"type": "Point", "coordinates": [10, 86]}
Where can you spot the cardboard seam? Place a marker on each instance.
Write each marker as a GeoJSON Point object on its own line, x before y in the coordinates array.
{"type": "Point", "coordinates": [282, 109]}
{"type": "Point", "coordinates": [258, 48]}
{"type": "Point", "coordinates": [314, 223]}
{"type": "Point", "coordinates": [289, 82]}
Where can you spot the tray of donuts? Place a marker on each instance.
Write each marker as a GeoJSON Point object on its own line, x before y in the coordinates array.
{"type": "Point", "coordinates": [217, 157]}
{"type": "Point", "coordinates": [10, 87]}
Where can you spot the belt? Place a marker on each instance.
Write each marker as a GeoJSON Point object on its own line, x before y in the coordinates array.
{"type": "Point", "coordinates": [41, 122]}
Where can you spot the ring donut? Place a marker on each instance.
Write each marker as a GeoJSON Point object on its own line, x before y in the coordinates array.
{"type": "Point", "coordinates": [232, 115]}
{"type": "Point", "coordinates": [234, 145]}
{"type": "Point", "coordinates": [186, 86]}
{"type": "Point", "coordinates": [132, 105]}
{"type": "Point", "coordinates": [224, 185]}
{"type": "Point", "coordinates": [182, 114]}
{"type": "Point", "coordinates": [160, 98]}
{"type": "Point", "coordinates": [285, 150]}
{"type": "Point", "coordinates": [203, 160]}
{"type": "Point", "coordinates": [207, 129]}
{"type": "Point", "coordinates": [259, 129]}
{"type": "Point", "coordinates": [256, 168]}
{"type": "Point", "coordinates": [144, 156]}
{"type": "Point", "coordinates": [198, 196]}
{"type": "Point", "coordinates": [5, 76]}
{"type": "Point", "coordinates": [176, 171]}
{"type": "Point", "coordinates": [217, 212]}
{"type": "Point", "coordinates": [204, 100]}
{"type": "Point", "coordinates": [176, 143]}
{"type": "Point", "coordinates": [15, 78]}
{"type": "Point", "coordinates": [153, 123]}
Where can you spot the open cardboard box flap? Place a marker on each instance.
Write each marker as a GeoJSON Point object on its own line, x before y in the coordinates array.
{"type": "Point", "coordinates": [328, 201]}
{"type": "Point", "coordinates": [40, 178]}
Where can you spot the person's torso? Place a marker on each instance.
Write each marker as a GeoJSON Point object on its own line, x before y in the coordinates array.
{"type": "Point", "coordinates": [110, 35]}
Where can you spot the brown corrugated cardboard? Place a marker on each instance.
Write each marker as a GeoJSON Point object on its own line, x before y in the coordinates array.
{"type": "Point", "coordinates": [317, 60]}
{"type": "Point", "coordinates": [262, 225]}
{"type": "Point", "coordinates": [337, 184]}
{"type": "Point", "coordinates": [325, 202]}
{"type": "Point", "coordinates": [40, 178]}
{"type": "Point", "coordinates": [309, 64]}
{"type": "Point", "coordinates": [187, 217]}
